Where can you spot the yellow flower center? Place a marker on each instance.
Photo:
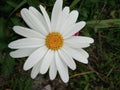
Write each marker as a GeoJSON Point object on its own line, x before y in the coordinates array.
{"type": "Point", "coordinates": [54, 41]}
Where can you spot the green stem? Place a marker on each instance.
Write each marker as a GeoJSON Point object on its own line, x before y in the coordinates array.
{"type": "Point", "coordinates": [104, 23]}
{"type": "Point", "coordinates": [19, 5]}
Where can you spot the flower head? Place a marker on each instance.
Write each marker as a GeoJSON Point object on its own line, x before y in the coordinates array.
{"type": "Point", "coordinates": [50, 44]}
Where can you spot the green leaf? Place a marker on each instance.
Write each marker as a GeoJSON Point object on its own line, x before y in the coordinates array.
{"type": "Point", "coordinates": [28, 84]}
{"type": "Point", "coordinates": [86, 87]}
{"type": "Point", "coordinates": [7, 66]}
{"type": "Point", "coordinates": [104, 23]}
{"type": "Point", "coordinates": [34, 3]}
{"type": "Point", "coordinates": [16, 21]}
{"type": "Point", "coordinates": [2, 34]}
{"type": "Point", "coordinates": [17, 7]}
{"type": "Point", "coordinates": [74, 3]}
{"type": "Point", "coordinates": [2, 45]}
{"type": "Point", "coordinates": [11, 3]}
{"type": "Point", "coordinates": [1, 58]}
{"type": "Point", "coordinates": [2, 25]}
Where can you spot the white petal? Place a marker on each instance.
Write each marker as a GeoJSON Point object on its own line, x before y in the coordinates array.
{"type": "Point", "coordinates": [76, 55]}
{"type": "Point", "coordinates": [64, 16]}
{"type": "Point", "coordinates": [62, 68]}
{"type": "Point", "coordinates": [66, 11]}
{"type": "Point", "coordinates": [57, 8]}
{"type": "Point", "coordinates": [26, 43]}
{"type": "Point", "coordinates": [72, 17]}
{"type": "Point", "coordinates": [79, 39]}
{"type": "Point", "coordinates": [46, 61]}
{"type": "Point", "coordinates": [67, 59]}
{"type": "Point", "coordinates": [46, 16]}
{"type": "Point", "coordinates": [35, 70]}
{"type": "Point", "coordinates": [78, 45]}
{"type": "Point", "coordinates": [70, 21]}
{"type": "Point", "coordinates": [59, 22]}
{"type": "Point", "coordinates": [73, 29]}
{"type": "Point", "coordinates": [26, 32]}
{"type": "Point", "coordinates": [53, 70]}
{"type": "Point", "coordinates": [22, 52]}
{"type": "Point", "coordinates": [35, 57]}
{"type": "Point", "coordinates": [38, 15]}
{"type": "Point", "coordinates": [32, 21]}
{"type": "Point", "coordinates": [83, 52]}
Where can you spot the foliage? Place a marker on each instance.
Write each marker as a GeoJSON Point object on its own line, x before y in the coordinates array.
{"type": "Point", "coordinates": [103, 24]}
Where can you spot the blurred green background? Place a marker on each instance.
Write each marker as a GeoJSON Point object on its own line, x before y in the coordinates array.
{"type": "Point", "coordinates": [103, 70]}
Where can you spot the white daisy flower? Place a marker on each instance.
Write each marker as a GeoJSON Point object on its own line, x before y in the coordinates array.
{"type": "Point", "coordinates": [50, 44]}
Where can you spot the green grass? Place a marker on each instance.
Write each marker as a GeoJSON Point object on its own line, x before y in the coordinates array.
{"type": "Point", "coordinates": [103, 24]}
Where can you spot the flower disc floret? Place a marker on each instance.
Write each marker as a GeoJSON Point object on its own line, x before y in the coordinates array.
{"type": "Point", "coordinates": [54, 41]}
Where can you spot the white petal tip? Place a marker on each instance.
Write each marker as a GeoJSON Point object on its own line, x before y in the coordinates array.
{"type": "Point", "coordinates": [52, 78]}
{"type": "Point", "coordinates": [60, 1]}
{"type": "Point", "coordinates": [10, 45]}
{"type": "Point", "coordinates": [12, 55]}
{"type": "Point", "coordinates": [40, 6]}
{"type": "Point", "coordinates": [31, 7]}
{"type": "Point", "coordinates": [24, 9]}
{"type": "Point", "coordinates": [85, 62]}
{"type": "Point", "coordinates": [66, 80]}
{"type": "Point", "coordinates": [66, 8]}
{"type": "Point", "coordinates": [25, 67]}
{"type": "Point", "coordinates": [83, 23]}
{"type": "Point", "coordinates": [42, 72]}
{"type": "Point", "coordinates": [14, 27]}
{"type": "Point", "coordinates": [73, 68]}
{"type": "Point", "coordinates": [92, 40]}
{"type": "Point", "coordinates": [76, 12]}
{"type": "Point", "coordinates": [32, 77]}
